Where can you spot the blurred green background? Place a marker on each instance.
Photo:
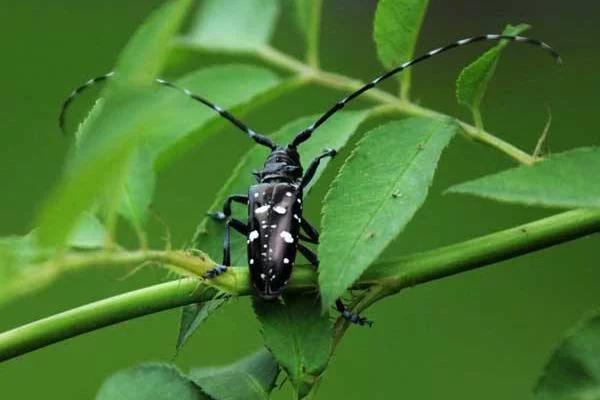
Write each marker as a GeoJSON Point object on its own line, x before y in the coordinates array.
{"type": "Point", "coordinates": [483, 334]}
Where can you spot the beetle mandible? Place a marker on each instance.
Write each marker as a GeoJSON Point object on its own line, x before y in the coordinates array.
{"type": "Point", "coordinates": [275, 221]}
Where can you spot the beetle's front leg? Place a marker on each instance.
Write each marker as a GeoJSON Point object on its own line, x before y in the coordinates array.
{"type": "Point", "coordinates": [312, 168]}
{"type": "Point", "coordinates": [226, 213]}
{"type": "Point", "coordinates": [241, 228]}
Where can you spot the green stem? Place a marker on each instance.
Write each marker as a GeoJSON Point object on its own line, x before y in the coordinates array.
{"type": "Point", "coordinates": [312, 45]}
{"type": "Point", "coordinates": [340, 82]}
{"type": "Point", "coordinates": [384, 278]}
{"type": "Point", "coordinates": [278, 59]}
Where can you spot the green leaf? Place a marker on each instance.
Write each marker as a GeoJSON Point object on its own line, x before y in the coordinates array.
{"type": "Point", "coordinates": [150, 381]}
{"type": "Point", "coordinates": [105, 150]}
{"type": "Point", "coordinates": [562, 180]}
{"type": "Point", "coordinates": [193, 315]}
{"type": "Point", "coordinates": [89, 233]}
{"type": "Point", "coordinates": [334, 134]}
{"type": "Point", "coordinates": [234, 24]}
{"type": "Point", "coordinates": [138, 188]}
{"type": "Point", "coordinates": [378, 190]}
{"type": "Point", "coordinates": [473, 80]}
{"type": "Point", "coordinates": [396, 29]}
{"type": "Point", "coordinates": [143, 57]}
{"type": "Point", "coordinates": [308, 18]}
{"type": "Point", "coordinates": [299, 336]}
{"type": "Point", "coordinates": [573, 371]}
{"type": "Point", "coordinates": [251, 378]}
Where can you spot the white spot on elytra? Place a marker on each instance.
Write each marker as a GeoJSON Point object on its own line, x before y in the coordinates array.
{"type": "Point", "coordinates": [273, 277]}
{"type": "Point", "coordinates": [265, 246]}
{"type": "Point", "coordinates": [299, 201]}
{"type": "Point", "coordinates": [263, 276]}
{"type": "Point", "coordinates": [296, 217]}
{"type": "Point", "coordinates": [262, 209]}
{"type": "Point", "coordinates": [255, 195]}
{"type": "Point", "coordinates": [279, 210]}
{"type": "Point", "coordinates": [288, 194]}
{"type": "Point", "coordinates": [286, 261]}
{"type": "Point", "coordinates": [287, 237]}
{"type": "Point", "coordinates": [271, 270]}
{"type": "Point", "coordinates": [273, 226]}
{"type": "Point", "coordinates": [253, 235]}
{"type": "Point", "coordinates": [251, 261]}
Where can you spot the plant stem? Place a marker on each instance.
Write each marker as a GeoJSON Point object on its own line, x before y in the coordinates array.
{"type": "Point", "coordinates": [340, 82]}
{"type": "Point", "coordinates": [312, 45]}
{"type": "Point", "coordinates": [384, 278]}
{"type": "Point", "coordinates": [278, 59]}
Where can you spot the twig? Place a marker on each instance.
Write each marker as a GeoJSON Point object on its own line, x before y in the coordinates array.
{"type": "Point", "coordinates": [385, 278]}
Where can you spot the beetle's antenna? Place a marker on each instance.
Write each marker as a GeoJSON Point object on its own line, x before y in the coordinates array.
{"type": "Point", "coordinates": [260, 139]}
{"type": "Point", "coordinates": [74, 94]}
{"type": "Point", "coordinates": [306, 133]}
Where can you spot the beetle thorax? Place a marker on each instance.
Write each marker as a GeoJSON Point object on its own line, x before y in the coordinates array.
{"type": "Point", "coordinates": [282, 165]}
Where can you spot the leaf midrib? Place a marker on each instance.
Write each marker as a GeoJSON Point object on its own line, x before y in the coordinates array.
{"type": "Point", "coordinates": [380, 205]}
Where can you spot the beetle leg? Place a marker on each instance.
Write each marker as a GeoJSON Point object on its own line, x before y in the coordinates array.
{"type": "Point", "coordinates": [219, 269]}
{"type": "Point", "coordinates": [311, 231]}
{"type": "Point", "coordinates": [223, 215]}
{"type": "Point", "coordinates": [350, 316]}
{"type": "Point", "coordinates": [309, 255]}
{"type": "Point", "coordinates": [312, 168]}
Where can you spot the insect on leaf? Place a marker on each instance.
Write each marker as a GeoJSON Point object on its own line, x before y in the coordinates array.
{"type": "Point", "coordinates": [334, 134]}
{"type": "Point", "coordinates": [251, 378]}
{"type": "Point", "coordinates": [234, 24]}
{"type": "Point", "coordinates": [565, 180]}
{"type": "Point", "coordinates": [193, 315]}
{"type": "Point", "coordinates": [300, 337]}
{"type": "Point", "coordinates": [395, 31]}
{"type": "Point", "coordinates": [106, 149]}
{"type": "Point", "coordinates": [377, 192]}
{"type": "Point", "coordinates": [150, 381]}
{"type": "Point", "coordinates": [573, 371]}
{"type": "Point", "coordinates": [473, 80]}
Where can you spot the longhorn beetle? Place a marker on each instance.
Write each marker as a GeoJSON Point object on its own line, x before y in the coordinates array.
{"type": "Point", "coordinates": [275, 222]}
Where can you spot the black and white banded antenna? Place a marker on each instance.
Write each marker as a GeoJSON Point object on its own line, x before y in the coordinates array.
{"type": "Point", "coordinates": [260, 139]}
{"type": "Point", "coordinates": [306, 133]}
